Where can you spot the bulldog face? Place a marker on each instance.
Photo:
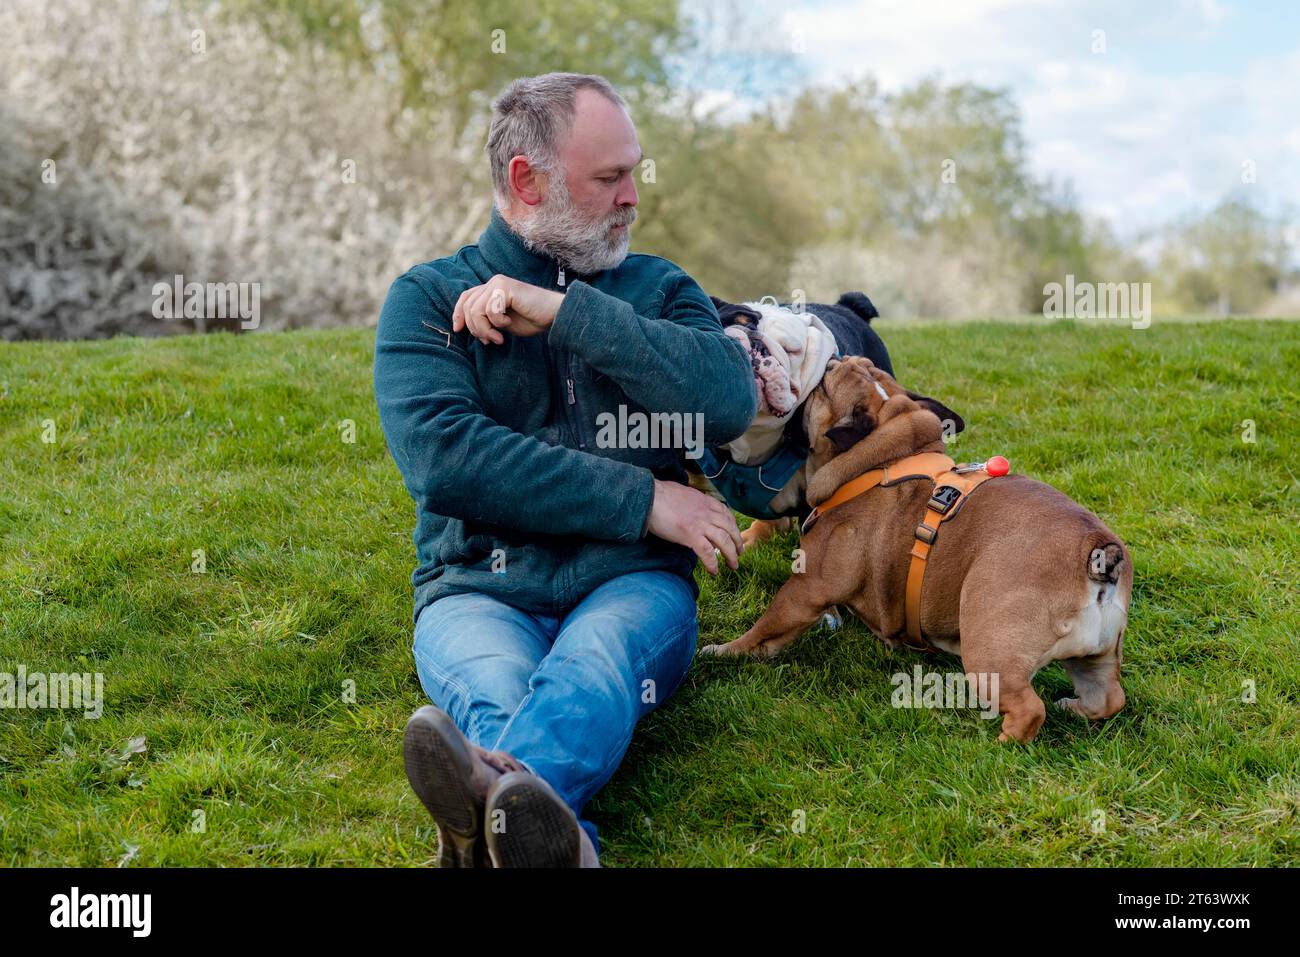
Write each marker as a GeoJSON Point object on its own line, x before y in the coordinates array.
{"type": "Point", "coordinates": [771, 380]}
{"type": "Point", "coordinates": [854, 398]}
{"type": "Point", "coordinates": [788, 351]}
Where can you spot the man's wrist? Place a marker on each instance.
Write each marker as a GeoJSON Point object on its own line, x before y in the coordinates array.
{"type": "Point", "coordinates": [558, 299]}
{"type": "Point", "coordinates": [573, 326]}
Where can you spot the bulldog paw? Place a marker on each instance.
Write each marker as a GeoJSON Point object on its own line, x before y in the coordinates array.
{"type": "Point", "coordinates": [1070, 704]}
{"type": "Point", "coordinates": [1020, 738]}
{"type": "Point", "coordinates": [735, 649]}
{"type": "Point", "coordinates": [760, 530]}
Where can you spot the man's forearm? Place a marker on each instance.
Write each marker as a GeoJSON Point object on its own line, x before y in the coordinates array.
{"type": "Point", "coordinates": [688, 365]}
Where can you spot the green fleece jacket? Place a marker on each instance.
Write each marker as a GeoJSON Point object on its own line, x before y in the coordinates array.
{"type": "Point", "coordinates": [518, 491]}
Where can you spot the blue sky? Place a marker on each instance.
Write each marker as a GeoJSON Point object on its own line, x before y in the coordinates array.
{"type": "Point", "coordinates": [1157, 125]}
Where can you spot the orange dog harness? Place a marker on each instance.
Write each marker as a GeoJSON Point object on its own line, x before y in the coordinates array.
{"type": "Point", "coordinates": [951, 486]}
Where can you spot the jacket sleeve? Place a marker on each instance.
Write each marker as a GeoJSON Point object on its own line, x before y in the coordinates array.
{"type": "Point", "coordinates": [682, 362]}
{"type": "Point", "coordinates": [466, 465]}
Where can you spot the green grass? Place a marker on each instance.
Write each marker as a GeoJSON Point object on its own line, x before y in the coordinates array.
{"type": "Point", "coordinates": [234, 677]}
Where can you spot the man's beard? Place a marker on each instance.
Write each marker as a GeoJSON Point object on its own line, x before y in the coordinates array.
{"type": "Point", "coordinates": [557, 228]}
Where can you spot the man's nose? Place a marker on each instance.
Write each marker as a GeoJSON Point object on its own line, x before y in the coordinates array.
{"type": "Point", "coordinates": [627, 192]}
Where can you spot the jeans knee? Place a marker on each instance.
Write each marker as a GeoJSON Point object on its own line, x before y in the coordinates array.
{"type": "Point", "coordinates": [474, 657]}
{"type": "Point", "coordinates": [479, 704]}
{"type": "Point", "coordinates": [668, 669]}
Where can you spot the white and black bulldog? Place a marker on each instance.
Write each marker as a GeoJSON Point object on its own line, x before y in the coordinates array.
{"type": "Point", "coordinates": [761, 473]}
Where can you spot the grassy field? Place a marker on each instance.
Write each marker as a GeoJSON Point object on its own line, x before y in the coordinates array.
{"type": "Point", "coordinates": [226, 673]}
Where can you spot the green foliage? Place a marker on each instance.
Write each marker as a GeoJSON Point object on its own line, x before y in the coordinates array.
{"type": "Point", "coordinates": [1234, 259]}
{"type": "Point", "coordinates": [935, 175]}
{"type": "Point", "coordinates": [453, 56]}
{"type": "Point", "coordinates": [724, 204]}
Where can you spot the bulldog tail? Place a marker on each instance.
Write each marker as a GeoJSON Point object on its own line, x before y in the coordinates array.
{"type": "Point", "coordinates": [1104, 561]}
{"type": "Point", "coordinates": [858, 303]}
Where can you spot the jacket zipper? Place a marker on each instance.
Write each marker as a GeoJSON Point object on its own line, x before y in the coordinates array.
{"type": "Point", "coordinates": [575, 417]}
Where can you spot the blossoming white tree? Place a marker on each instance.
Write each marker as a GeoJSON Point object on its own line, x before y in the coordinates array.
{"type": "Point", "coordinates": [136, 145]}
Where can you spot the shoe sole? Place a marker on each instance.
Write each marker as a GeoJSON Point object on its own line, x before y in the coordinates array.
{"type": "Point", "coordinates": [537, 828]}
{"type": "Point", "coordinates": [440, 768]}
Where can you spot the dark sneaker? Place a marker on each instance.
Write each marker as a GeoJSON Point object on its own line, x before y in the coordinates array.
{"type": "Point", "coordinates": [529, 826]}
{"type": "Point", "coordinates": [451, 780]}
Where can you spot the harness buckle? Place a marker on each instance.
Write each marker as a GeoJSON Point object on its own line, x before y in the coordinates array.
{"type": "Point", "coordinates": [926, 534]}
{"type": "Point", "coordinates": [944, 497]}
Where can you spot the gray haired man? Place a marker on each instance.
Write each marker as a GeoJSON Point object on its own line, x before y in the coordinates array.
{"type": "Point", "coordinates": [555, 596]}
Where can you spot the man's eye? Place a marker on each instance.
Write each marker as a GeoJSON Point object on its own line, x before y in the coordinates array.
{"type": "Point", "coordinates": [611, 180]}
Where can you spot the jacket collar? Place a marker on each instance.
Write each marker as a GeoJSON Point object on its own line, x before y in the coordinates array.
{"type": "Point", "coordinates": [505, 253]}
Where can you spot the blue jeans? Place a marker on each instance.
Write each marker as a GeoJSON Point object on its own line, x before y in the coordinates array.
{"type": "Point", "coordinates": [561, 695]}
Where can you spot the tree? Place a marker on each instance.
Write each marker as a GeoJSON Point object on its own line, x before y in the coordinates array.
{"type": "Point", "coordinates": [1232, 260]}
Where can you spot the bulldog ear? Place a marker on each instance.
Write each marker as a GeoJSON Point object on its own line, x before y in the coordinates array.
{"type": "Point", "coordinates": [952, 422]}
{"type": "Point", "coordinates": [732, 314]}
{"type": "Point", "coordinates": [844, 437]}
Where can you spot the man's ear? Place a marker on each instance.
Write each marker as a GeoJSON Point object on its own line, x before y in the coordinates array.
{"type": "Point", "coordinates": [844, 437]}
{"type": "Point", "coordinates": [945, 414]}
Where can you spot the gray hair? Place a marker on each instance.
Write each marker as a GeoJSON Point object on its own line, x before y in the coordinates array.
{"type": "Point", "coordinates": [530, 117]}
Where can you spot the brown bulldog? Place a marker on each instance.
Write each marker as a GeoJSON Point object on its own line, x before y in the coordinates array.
{"type": "Point", "coordinates": [1018, 576]}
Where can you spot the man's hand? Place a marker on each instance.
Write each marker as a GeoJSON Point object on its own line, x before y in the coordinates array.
{"type": "Point", "coordinates": [503, 305]}
{"type": "Point", "coordinates": [688, 517]}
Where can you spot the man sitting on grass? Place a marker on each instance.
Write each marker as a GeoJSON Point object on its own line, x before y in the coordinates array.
{"type": "Point", "coordinates": [554, 598]}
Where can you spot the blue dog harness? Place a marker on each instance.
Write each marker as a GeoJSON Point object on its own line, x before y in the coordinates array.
{"type": "Point", "coordinates": [749, 489]}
